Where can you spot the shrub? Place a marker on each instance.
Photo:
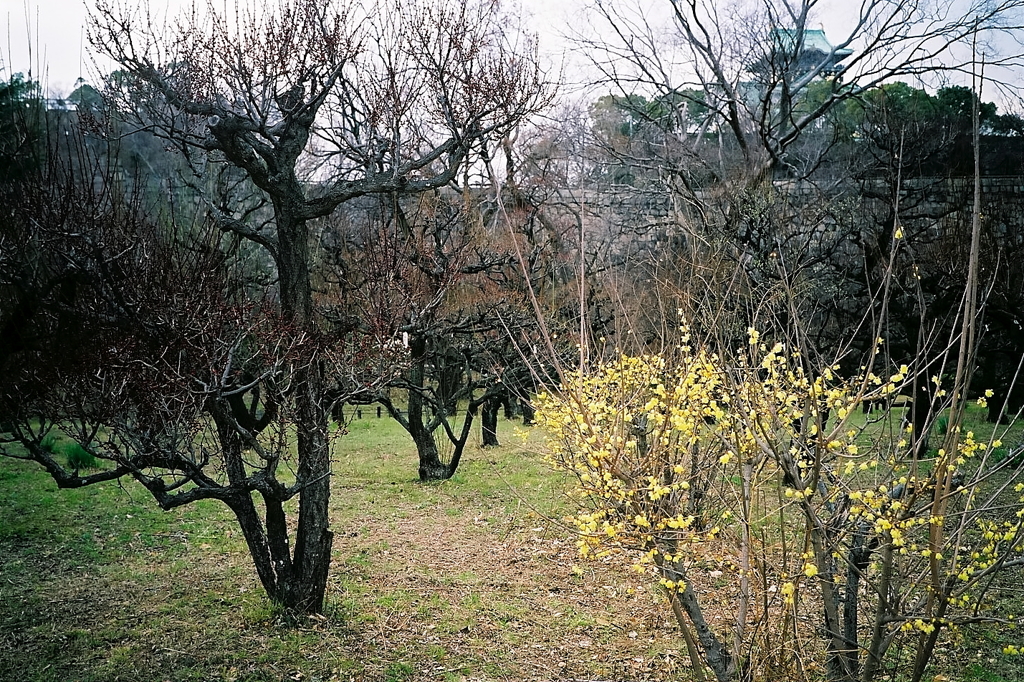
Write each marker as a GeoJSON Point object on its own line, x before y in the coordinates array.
{"type": "Point", "coordinates": [752, 475]}
{"type": "Point", "coordinates": [1013, 457]}
{"type": "Point", "coordinates": [50, 443]}
{"type": "Point", "coordinates": [77, 457]}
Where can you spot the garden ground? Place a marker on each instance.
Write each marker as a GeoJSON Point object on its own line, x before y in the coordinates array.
{"type": "Point", "coordinates": [472, 579]}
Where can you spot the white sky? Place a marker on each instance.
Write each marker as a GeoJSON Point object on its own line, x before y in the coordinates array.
{"type": "Point", "coordinates": [57, 40]}
{"type": "Point", "coordinates": [60, 52]}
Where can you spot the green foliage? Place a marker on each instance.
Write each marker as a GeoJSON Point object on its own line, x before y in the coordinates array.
{"type": "Point", "coordinates": [622, 122]}
{"type": "Point", "coordinates": [957, 101]}
{"type": "Point", "coordinates": [1011, 457]}
{"type": "Point", "coordinates": [77, 457]}
{"type": "Point", "coordinates": [87, 99]}
{"type": "Point", "coordinates": [397, 672]}
{"type": "Point", "coordinates": [49, 442]}
{"type": "Point", "coordinates": [915, 131]}
{"type": "Point", "coordinates": [21, 127]}
{"type": "Point", "coordinates": [903, 105]}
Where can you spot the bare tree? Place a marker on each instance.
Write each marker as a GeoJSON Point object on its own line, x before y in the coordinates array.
{"type": "Point", "coordinates": [430, 274]}
{"type": "Point", "coordinates": [718, 107]}
{"type": "Point", "coordinates": [315, 104]}
{"type": "Point", "coordinates": [760, 77]}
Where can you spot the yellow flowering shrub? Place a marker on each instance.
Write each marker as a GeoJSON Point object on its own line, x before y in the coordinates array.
{"type": "Point", "coordinates": [755, 472]}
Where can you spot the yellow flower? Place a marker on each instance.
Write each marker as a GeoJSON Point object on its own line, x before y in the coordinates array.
{"type": "Point", "coordinates": [788, 591]}
{"type": "Point", "coordinates": [810, 570]}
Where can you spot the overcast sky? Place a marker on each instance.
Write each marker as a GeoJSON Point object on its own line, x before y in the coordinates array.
{"type": "Point", "coordinates": [57, 40]}
{"type": "Point", "coordinates": [60, 53]}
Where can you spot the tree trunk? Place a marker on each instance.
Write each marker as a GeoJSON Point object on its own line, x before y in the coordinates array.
{"type": "Point", "coordinates": [489, 421]}
{"type": "Point", "coordinates": [509, 403]}
{"type": "Point", "coordinates": [715, 654]}
{"type": "Point", "coordinates": [858, 559]}
{"type": "Point", "coordinates": [268, 567]}
{"type": "Point", "coordinates": [431, 467]}
{"type": "Point", "coordinates": [267, 543]}
{"type": "Point", "coordinates": [313, 539]}
{"type": "Point", "coordinates": [920, 415]}
{"type": "Point", "coordinates": [528, 412]}
{"type": "Point", "coordinates": [272, 573]}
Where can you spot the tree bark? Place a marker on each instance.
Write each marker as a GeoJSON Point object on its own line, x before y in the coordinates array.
{"type": "Point", "coordinates": [528, 412]}
{"type": "Point", "coordinates": [258, 543]}
{"type": "Point", "coordinates": [313, 539]}
{"type": "Point", "coordinates": [715, 654]}
{"type": "Point", "coordinates": [253, 530]}
{"type": "Point", "coordinates": [509, 403]}
{"type": "Point", "coordinates": [431, 468]}
{"type": "Point", "coordinates": [489, 421]}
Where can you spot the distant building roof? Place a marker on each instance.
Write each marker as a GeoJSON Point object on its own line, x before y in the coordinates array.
{"type": "Point", "coordinates": [814, 39]}
{"type": "Point", "coordinates": [813, 49]}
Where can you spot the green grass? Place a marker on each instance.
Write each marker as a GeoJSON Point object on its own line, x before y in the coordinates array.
{"type": "Point", "coordinates": [466, 579]}
{"type": "Point", "coordinates": [397, 672]}
{"type": "Point", "coordinates": [99, 584]}
{"type": "Point", "coordinates": [73, 453]}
